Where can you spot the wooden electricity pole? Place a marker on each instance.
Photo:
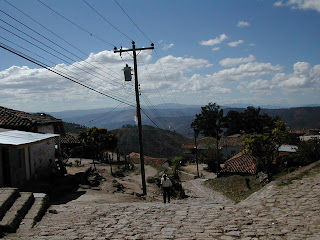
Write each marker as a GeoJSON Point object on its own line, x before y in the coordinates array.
{"type": "Point", "coordinates": [134, 49]}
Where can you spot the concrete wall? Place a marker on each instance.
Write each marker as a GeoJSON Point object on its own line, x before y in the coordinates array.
{"type": "Point", "coordinates": [40, 153]}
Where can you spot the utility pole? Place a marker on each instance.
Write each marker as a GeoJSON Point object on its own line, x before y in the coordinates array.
{"type": "Point", "coordinates": [196, 133]}
{"type": "Point", "coordinates": [134, 49]}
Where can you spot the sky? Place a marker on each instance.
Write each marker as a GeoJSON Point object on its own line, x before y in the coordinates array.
{"type": "Point", "coordinates": [251, 52]}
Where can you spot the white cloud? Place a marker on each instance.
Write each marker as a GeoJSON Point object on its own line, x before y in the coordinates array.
{"type": "Point", "coordinates": [300, 4]}
{"type": "Point", "coordinates": [245, 71]}
{"type": "Point", "coordinates": [303, 77]}
{"type": "Point", "coordinates": [38, 89]}
{"type": "Point", "coordinates": [168, 46]}
{"type": "Point", "coordinates": [242, 24]}
{"type": "Point", "coordinates": [215, 41]}
{"type": "Point", "coordinates": [215, 49]}
{"type": "Point", "coordinates": [236, 43]}
{"type": "Point", "coordinates": [230, 62]}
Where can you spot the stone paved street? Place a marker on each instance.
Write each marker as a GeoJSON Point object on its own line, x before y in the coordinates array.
{"type": "Point", "coordinates": [278, 212]}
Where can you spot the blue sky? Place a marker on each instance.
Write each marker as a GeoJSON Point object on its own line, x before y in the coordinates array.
{"type": "Point", "coordinates": [253, 52]}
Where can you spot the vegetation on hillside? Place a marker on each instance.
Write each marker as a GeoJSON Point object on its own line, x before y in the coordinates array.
{"type": "Point", "coordinates": [73, 127]}
{"type": "Point", "coordinates": [156, 142]}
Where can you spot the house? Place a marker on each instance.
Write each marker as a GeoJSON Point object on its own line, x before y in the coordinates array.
{"type": "Point", "coordinates": [135, 158]}
{"type": "Point", "coordinates": [30, 122]}
{"type": "Point", "coordinates": [241, 163]}
{"type": "Point", "coordinates": [309, 137]}
{"type": "Point", "coordinates": [229, 146]}
{"type": "Point", "coordinates": [24, 156]}
{"type": "Point", "coordinates": [69, 143]}
{"type": "Point", "coordinates": [285, 150]}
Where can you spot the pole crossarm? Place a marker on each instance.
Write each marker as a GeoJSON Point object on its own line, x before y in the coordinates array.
{"type": "Point", "coordinates": [131, 50]}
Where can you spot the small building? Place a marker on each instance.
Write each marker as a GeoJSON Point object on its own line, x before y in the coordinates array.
{"type": "Point", "coordinates": [309, 137]}
{"type": "Point", "coordinates": [285, 150]}
{"type": "Point", "coordinates": [30, 122]}
{"type": "Point", "coordinates": [25, 156]}
{"type": "Point", "coordinates": [241, 163]}
{"type": "Point", "coordinates": [229, 146]}
{"type": "Point", "coordinates": [135, 158]}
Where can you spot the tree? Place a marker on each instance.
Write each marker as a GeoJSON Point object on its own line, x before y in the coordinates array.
{"type": "Point", "coordinates": [96, 140]}
{"type": "Point", "coordinates": [211, 157]}
{"type": "Point", "coordinates": [209, 122]}
{"type": "Point", "coordinates": [233, 121]}
{"type": "Point", "coordinates": [250, 121]}
{"type": "Point", "coordinates": [308, 152]}
{"type": "Point", "coordinates": [264, 146]}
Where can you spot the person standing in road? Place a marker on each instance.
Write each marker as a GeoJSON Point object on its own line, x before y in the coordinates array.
{"type": "Point", "coordinates": [166, 186]}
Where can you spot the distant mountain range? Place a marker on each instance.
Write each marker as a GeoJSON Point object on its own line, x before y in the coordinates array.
{"type": "Point", "coordinates": [179, 117]}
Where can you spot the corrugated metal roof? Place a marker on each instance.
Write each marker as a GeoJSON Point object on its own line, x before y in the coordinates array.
{"type": "Point", "coordinates": [288, 148]}
{"type": "Point", "coordinates": [17, 138]}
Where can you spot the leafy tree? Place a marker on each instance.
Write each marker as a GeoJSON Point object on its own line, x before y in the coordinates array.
{"type": "Point", "coordinates": [250, 121]}
{"type": "Point", "coordinates": [210, 157]}
{"type": "Point", "coordinates": [233, 121]}
{"type": "Point", "coordinates": [209, 122]}
{"type": "Point", "coordinates": [264, 146]}
{"type": "Point", "coordinates": [96, 140]}
{"type": "Point", "coordinates": [308, 152]}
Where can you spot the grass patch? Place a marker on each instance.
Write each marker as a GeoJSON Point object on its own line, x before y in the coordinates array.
{"type": "Point", "coordinates": [235, 187]}
{"type": "Point", "coordinates": [289, 180]}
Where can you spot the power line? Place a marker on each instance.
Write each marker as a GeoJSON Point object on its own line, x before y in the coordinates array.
{"type": "Point", "coordinates": [73, 23]}
{"type": "Point", "coordinates": [94, 75]}
{"type": "Point", "coordinates": [56, 35]}
{"type": "Point", "coordinates": [132, 21]}
{"type": "Point", "coordinates": [108, 21]}
{"type": "Point", "coordinates": [49, 48]}
{"type": "Point", "coordinates": [66, 77]}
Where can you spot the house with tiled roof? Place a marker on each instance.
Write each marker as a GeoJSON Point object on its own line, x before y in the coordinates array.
{"type": "Point", "coordinates": [241, 163]}
{"type": "Point", "coordinates": [135, 158]}
{"type": "Point", "coordinates": [30, 122]}
{"type": "Point", "coordinates": [229, 145]}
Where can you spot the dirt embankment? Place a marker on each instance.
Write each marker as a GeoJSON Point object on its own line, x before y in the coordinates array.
{"type": "Point", "coordinates": [126, 188]}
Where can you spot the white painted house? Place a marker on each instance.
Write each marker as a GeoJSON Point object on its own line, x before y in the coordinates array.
{"type": "Point", "coordinates": [24, 156]}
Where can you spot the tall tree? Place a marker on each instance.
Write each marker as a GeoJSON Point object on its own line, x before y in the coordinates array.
{"type": "Point", "coordinates": [251, 120]}
{"type": "Point", "coordinates": [210, 121]}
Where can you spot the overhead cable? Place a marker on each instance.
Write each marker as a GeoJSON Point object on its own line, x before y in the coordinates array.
{"type": "Point", "coordinates": [73, 23]}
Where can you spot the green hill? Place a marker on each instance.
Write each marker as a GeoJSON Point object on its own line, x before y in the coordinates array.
{"type": "Point", "coordinates": [156, 142]}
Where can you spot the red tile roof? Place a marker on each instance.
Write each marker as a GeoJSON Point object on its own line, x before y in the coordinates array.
{"type": "Point", "coordinates": [240, 163]}
{"type": "Point", "coordinates": [70, 138]}
{"type": "Point", "coordinates": [135, 158]}
{"type": "Point", "coordinates": [18, 120]}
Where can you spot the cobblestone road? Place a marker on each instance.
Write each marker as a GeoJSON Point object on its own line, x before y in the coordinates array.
{"type": "Point", "coordinates": [287, 212]}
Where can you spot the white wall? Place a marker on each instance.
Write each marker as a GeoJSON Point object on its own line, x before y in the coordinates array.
{"type": "Point", "coordinates": [40, 153]}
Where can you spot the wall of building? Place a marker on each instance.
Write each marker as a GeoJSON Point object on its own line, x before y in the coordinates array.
{"type": "Point", "coordinates": [40, 153]}
{"type": "Point", "coordinates": [230, 151]}
{"type": "Point", "coordinates": [12, 164]}
{"type": "Point", "coordinates": [46, 128]}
